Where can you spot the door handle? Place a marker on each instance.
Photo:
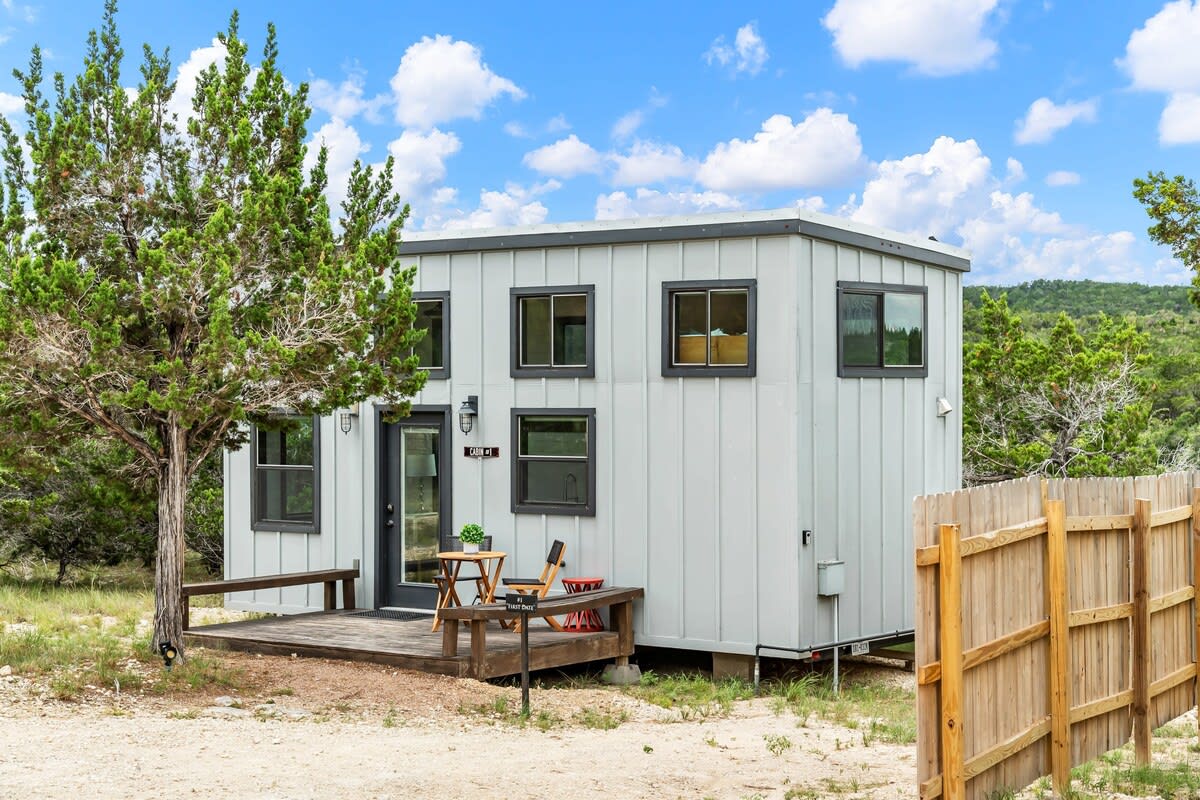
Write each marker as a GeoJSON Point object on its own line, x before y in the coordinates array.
{"type": "Point", "coordinates": [391, 523]}
{"type": "Point", "coordinates": [389, 508]}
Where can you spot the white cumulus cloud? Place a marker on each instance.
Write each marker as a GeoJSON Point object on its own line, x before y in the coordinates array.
{"type": "Point", "coordinates": [516, 205]}
{"type": "Point", "coordinates": [937, 37]}
{"type": "Point", "coordinates": [821, 149]}
{"type": "Point", "coordinates": [1044, 119]}
{"type": "Point", "coordinates": [197, 61]}
{"type": "Point", "coordinates": [1162, 56]}
{"type": "Point", "coordinates": [1062, 177]}
{"type": "Point", "coordinates": [343, 146]}
{"type": "Point", "coordinates": [565, 158]}
{"type": "Point", "coordinates": [1180, 121]}
{"type": "Point", "coordinates": [440, 79]}
{"type": "Point", "coordinates": [651, 162]}
{"type": "Point", "coordinates": [420, 161]}
{"type": "Point", "coordinates": [346, 100]}
{"type": "Point", "coordinates": [11, 103]}
{"type": "Point", "coordinates": [748, 53]}
{"type": "Point", "coordinates": [951, 192]}
{"type": "Point", "coordinates": [652, 203]}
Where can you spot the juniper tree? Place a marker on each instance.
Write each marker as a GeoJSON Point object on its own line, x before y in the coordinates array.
{"type": "Point", "coordinates": [164, 281]}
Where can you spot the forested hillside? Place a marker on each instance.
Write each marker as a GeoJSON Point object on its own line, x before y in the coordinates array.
{"type": "Point", "coordinates": [1080, 298]}
{"type": "Point", "coordinates": [1133, 347]}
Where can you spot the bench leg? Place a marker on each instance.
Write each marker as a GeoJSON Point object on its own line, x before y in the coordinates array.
{"type": "Point", "coordinates": [186, 611]}
{"type": "Point", "coordinates": [621, 618]}
{"type": "Point", "coordinates": [330, 595]}
{"type": "Point", "coordinates": [478, 648]}
{"type": "Point", "coordinates": [450, 638]}
{"type": "Point", "coordinates": [348, 594]}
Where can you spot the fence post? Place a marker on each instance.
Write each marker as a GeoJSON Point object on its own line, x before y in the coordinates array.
{"type": "Point", "coordinates": [954, 786]}
{"type": "Point", "coordinates": [1196, 585]}
{"type": "Point", "coordinates": [1060, 646]}
{"type": "Point", "coordinates": [1141, 631]}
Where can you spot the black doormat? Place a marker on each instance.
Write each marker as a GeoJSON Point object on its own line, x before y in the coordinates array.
{"type": "Point", "coordinates": [399, 616]}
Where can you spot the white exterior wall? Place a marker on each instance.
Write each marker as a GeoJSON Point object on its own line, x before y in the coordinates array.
{"type": "Point", "coordinates": [703, 484]}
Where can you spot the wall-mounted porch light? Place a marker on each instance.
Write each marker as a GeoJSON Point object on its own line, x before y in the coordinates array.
{"type": "Point", "coordinates": [467, 413]}
{"type": "Point", "coordinates": [346, 418]}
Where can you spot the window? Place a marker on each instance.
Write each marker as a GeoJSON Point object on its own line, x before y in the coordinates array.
{"type": "Point", "coordinates": [285, 487]}
{"type": "Point", "coordinates": [881, 330]}
{"type": "Point", "coordinates": [554, 461]}
{"type": "Point", "coordinates": [433, 314]}
{"type": "Point", "coordinates": [709, 328]}
{"type": "Point", "coordinates": [553, 332]}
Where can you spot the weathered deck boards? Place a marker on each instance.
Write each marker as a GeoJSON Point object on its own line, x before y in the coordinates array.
{"type": "Point", "coordinates": [407, 644]}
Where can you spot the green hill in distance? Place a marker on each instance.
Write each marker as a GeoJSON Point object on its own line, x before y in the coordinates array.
{"type": "Point", "coordinates": [1083, 298]}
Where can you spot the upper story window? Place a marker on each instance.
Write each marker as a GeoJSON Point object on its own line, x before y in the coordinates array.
{"type": "Point", "coordinates": [554, 461]}
{"type": "Point", "coordinates": [881, 330]}
{"type": "Point", "coordinates": [433, 351]}
{"type": "Point", "coordinates": [553, 332]}
{"type": "Point", "coordinates": [286, 486]}
{"type": "Point", "coordinates": [709, 328]}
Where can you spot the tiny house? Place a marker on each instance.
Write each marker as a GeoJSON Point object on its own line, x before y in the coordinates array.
{"type": "Point", "coordinates": [708, 407]}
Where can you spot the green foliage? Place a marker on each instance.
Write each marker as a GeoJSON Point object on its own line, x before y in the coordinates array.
{"type": "Point", "coordinates": [205, 515]}
{"type": "Point", "coordinates": [1063, 403]}
{"type": "Point", "coordinates": [471, 533]}
{"type": "Point", "coordinates": [1174, 205]}
{"type": "Point", "coordinates": [163, 280]}
{"type": "Point", "coordinates": [80, 507]}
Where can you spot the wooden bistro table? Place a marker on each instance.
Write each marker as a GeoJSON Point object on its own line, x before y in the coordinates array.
{"type": "Point", "coordinates": [451, 562]}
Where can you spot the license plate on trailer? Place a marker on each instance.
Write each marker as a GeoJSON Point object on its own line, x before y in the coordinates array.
{"type": "Point", "coordinates": [860, 648]}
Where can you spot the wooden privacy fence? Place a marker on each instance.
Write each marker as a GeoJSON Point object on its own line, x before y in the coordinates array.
{"type": "Point", "coordinates": [1052, 617]}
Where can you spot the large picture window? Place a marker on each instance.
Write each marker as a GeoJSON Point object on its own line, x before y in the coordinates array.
{"type": "Point", "coordinates": [433, 351]}
{"type": "Point", "coordinates": [709, 328]}
{"type": "Point", "coordinates": [554, 461]}
{"type": "Point", "coordinates": [881, 330]}
{"type": "Point", "coordinates": [553, 332]}
{"type": "Point", "coordinates": [285, 495]}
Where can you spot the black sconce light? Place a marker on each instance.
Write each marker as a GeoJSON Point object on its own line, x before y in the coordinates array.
{"type": "Point", "coordinates": [346, 418]}
{"type": "Point", "coordinates": [467, 413]}
{"type": "Point", "coordinates": [169, 653]}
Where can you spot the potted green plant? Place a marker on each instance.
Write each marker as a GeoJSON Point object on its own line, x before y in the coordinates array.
{"type": "Point", "coordinates": [471, 536]}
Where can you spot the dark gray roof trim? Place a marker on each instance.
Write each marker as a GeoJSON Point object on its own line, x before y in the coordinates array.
{"type": "Point", "coordinates": [723, 230]}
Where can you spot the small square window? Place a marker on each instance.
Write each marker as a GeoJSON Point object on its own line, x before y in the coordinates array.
{"type": "Point", "coordinates": [286, 490]}
{"type": "Point", "coordinates": [709, 328]}
{"type": "Point", "coordinates": [433, 315]}
{"type": "Point", "coordinates": [553, 332]}
{"type": "Point", "coordinates": [554, 461]}
{"type": "Point", "coordinates": [881, 330]}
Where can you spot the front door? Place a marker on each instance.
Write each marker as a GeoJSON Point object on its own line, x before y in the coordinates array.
{"type": "Point", "coordinates": [415, 510]}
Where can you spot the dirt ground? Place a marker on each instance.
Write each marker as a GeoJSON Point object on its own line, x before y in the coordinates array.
{"type": "Point", "coordinates": [326, 729]}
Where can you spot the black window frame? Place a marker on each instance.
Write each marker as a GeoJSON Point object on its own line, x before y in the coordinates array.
{"type": "Point", "coordinates": [284, 526]}
{"type": "Point", "coordinates": [587, 509]}
{"type": "Point", "coordinates": [881, 290]}
{"type": "Point", "coordinates": [516, 369]}
{"type": "Point", "coordinates": [672, 370]}
{"type": "Point", "coordinates": [441, 373]}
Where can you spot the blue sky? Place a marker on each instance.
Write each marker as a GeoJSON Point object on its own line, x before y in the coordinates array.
{"type": "Point", "coordinates": [1012, 127]}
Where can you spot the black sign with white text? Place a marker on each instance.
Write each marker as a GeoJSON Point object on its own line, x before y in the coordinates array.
{"type": "Point", "coordinates": [481, 452]}
{"type": "Point", "coordinates": [517, 602]}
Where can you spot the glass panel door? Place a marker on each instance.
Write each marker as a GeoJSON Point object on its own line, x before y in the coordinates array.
{"type": "Point", "coordinates": [420, 503]}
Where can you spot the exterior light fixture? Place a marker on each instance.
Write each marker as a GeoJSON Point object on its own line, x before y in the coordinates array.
{"type": "Point", "coordinates": [169, 653]}
{"type": "Point", "coordinates": [467, 413]}
{"type": "Point", "coordinates": [346, 418]}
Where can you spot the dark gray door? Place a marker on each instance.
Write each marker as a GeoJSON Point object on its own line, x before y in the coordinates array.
{"type": "Point", "coordinates": [415, 510]}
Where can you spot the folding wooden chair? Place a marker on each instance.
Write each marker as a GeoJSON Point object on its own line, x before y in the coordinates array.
{"type": "Point", "coordinates": [541, 584]}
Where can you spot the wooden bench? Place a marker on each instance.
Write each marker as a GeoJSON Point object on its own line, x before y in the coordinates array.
{"type": "Point", "coordinates": [619, 598]}
{"type": "Point", "coordinates": [329, 577]}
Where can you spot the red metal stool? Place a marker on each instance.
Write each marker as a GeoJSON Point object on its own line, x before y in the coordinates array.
{"type": "Point", "coordinates": [582, 621]}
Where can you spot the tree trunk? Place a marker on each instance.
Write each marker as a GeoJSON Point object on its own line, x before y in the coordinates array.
{"type": "Point", "coordinates": [62, 571]}
{"type": "Point", "coordinates": [168, 569]}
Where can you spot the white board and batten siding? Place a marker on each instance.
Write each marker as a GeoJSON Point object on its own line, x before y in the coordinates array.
{"type": "Point", "coordinates": [703, 484]}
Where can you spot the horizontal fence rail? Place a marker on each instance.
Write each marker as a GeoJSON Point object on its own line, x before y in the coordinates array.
{"type": "Point", "coordinates": [1052, 617]}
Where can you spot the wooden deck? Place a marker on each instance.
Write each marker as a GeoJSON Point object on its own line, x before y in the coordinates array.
{"type": "Point", "coordinates": [408, 644]}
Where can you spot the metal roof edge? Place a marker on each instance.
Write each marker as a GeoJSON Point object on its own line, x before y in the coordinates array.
{"type": "Point", "coordinates": [701, 226]}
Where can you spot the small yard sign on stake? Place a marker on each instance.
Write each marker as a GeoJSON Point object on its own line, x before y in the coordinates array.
{"type": "Point", "coordinates": [523, 604]}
